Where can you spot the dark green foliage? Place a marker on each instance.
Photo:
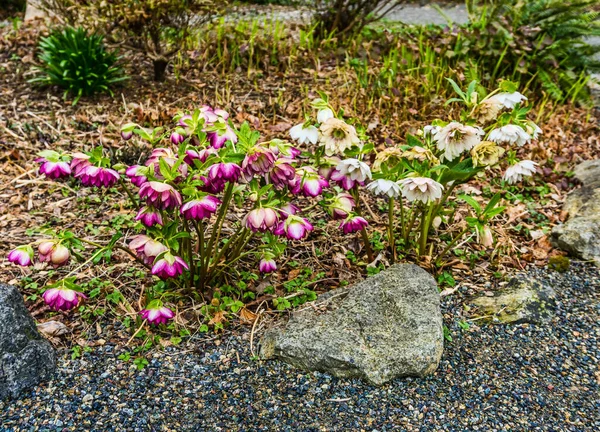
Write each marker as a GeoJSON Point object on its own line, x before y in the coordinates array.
{"type": "Point", "coordinates": [77, 62]}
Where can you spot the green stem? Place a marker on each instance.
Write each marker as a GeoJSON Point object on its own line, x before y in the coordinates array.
{"type": "Point", "coordinates": [190, 253]}
{"type": "Point", "coordinates": [452, 242]}
{"type": "Point", "coordinates": [391, 237]}
{"type": "Point", "coordinates": [401, 219]}
{"type": "Point", "coordinates": [129, 194]}
{"type": "Point", "coordinates": [363, 232]}
{"type": "Point", "coordinates": [425, 224]}
{"type": "Point", "coordinates": [216, 234]}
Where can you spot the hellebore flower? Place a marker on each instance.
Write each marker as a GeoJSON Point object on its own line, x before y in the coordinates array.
{"type": "Point", "coordinates": [324, 115]}
{"type": "Point", "coordinates": [421, 189]}
{"type": "Point", "coordinates": [304, 135]}
{"type": "Point", "coordinates": [279, 147]}
{"type": "Point", "coordinates": [258, 161]}
{"type": "Point", "coordinates": [456, 138]}
{"type": "Point", "coordinates": [282, 173]}
{"type": "Point", "coordinates": [79, 162]}
{"type": "Point", "coordinates": [488, 109]}
{"type": "Point", "coordinates": [51, 251]}
{"type": "Point", "coordinates": [261, 219]}
{"type": "Point", "coordinates": [341, 206]}
{"type": "Point", "coordinates": [385, 187]}
{"type": "Point", "coordinates": [177, 138]}
{"type": "Point", "coordinates": [288, 209]}
{"type": "Point", "coordinates": [213, 187]}
{"type": "Point", "coordinates": [225, 171]}
{"type": "Point", "coordinates": [136, 174]}
{"type": "Point", "coordinates": [218, 139]}
{"type": "Point", "coordinates": [22, 255]}
{"type": "Point", "coordinates": [146, 248]}
{"type": "Point", "coordinates": [390, 156]}
{"type": "Point", "coordinates": [209, 114]}
{"type": "Point", "coordinates": [309, 182]}
{"type": "Point", "coordinates": [202, 155]}
{"type": "Point", "coordinates": [54, 169]}
{"type": "Point", "coordinates": [516, 172]}
{"type": "Point", "coordinates": [267, 265]}
{"type": "Point", "coordinates": [533, 130]}
{"type": "Point", "coordinates": [167, 155]}
{"type": "Point", "coordinates": [157, 313]}
{"type": "Point", "coordinates": [421, 154]}
{"type": "Point", "coordinates": [337, 136]}
{"type": "Point", "coordinates": [511, 134]}
{"type": "Point", "coordinates": [351, 172]}
{"type": "Point", "coordinates": [200, 208]}
{"type": "Point", "coordinates": [294, 228]}
{"type": "Point", "coordinates": [149, 216]}
{"type": "Point", "coordinates": [169, 266]}
{"type": "Point", "coordinates": [185, 120]}
{"type": "Point", "coordinates": [485, 236]}
{"type": "Point", "coordinates": [486, 153]}
{"type": "Point", "coordinates": [160, 195]}
{"type": "Point", "coordinates": [62, 298]}
{"type": "Point", "coordinates": [509, 100]}
{"type": "Point", "coordinates": [353, 224]}
{"type": "Point", "coordinates": [126, 135]}
{"type": "Point", "coordinates": [98, 176]}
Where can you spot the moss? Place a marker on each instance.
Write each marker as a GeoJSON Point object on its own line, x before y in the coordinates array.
{"type": "Point", "coordinates": [559, 263]}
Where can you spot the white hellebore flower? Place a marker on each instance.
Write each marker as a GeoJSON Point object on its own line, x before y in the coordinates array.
{"type": "Point", "coordinates": [456, 138]}
{"type": "Point", "coordinates": [509, 100]}
{"type": "Point", "coordinates": [510, 133]}
{"type": "Point", "coordinates": [337, 136]}
{"type": "Point", "coordinates": [534, 130]}
{"type": "Point", "coordinates": [305, 135]}
{"type": "Point", "coordinates": [324, 115]}
{"type": "Point", "coordinates": [516, 172]}
{"type": "Point", "coordinates": [385, 187]}
{"type": "Point", "coordinates": [431, 130]}
{"type": "Point", "coordinates": [421, 189]}
{"type": "Point", "coordinates": [354, 169]}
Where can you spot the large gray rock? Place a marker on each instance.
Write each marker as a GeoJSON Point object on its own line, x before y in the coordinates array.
{"type": "Point", "coordinates": [580, 235]}
{"type": "Point", "coordinates": [386, 326]}
{"type": "Point", "coordinates": [522, 300]}
{"type": "Point", "coordinates": [26, 357]}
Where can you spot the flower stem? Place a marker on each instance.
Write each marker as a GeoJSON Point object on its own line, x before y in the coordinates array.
{"type": "Point", "coordinates": [425, 224]}
{"type": "Point", "coordinates": [363, 232]}
{"type": "Point", "coordinates": [452, 243]}
{"type": "Point", "coordinates": [391, 237]}
{"type": "Point", "coordinates": [129, 194]}
{"type": "Point", "coordinates": [216, 234]}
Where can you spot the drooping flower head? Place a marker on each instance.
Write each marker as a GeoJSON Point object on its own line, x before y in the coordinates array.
{"type": "Point", "coordinates": [137, 174]}
{"type": "Point", "coordinates": [353, 224]}
{"type": "Point", "coordinates": [79, 162]}
{"type": "Point", "coordinates": [324, 114]}
{"type": "Point", "coordinates": [156, 313]}
{"type": "Point", "coordinates": [282, 148]}
{"type": "Point", "coordinates": [385, 187]}
{"type": "Point", "coordinates": [282, 172]}
{"type": "Point", "coordinates": [54, 165]}
{"type": "Point", "coordinates": [341, 205]}
{"type": "Point", "coordinates": [390, 156]}
{"type": "Point", "coordinates": [351, 172]}
{"type": "Point", "coordinates": [509, 100]}
{"type": "Point", "coordinates": [146, 248]}
{"type": "Point", "coordinates": [511, 134]}
{"type": "Point", "coordinates": [22, 255]}
{"type": "Point", "coordinates": [126, 135]}
{"type": "Point", "coordinates": [327, 166]}
{"type": "Point", "coordinates": [486, 153]}
{"type": "Point", "coordinates": [308, 181]}
{"type": "Point", "coordinates": [456, 138]}
{"type": "Point", "coordinates": [422, 189]}
{"type": "Point", "coordinates": [168, 156]}
{"type": "Point", "coordinates": [177, 137]}
{"type": "Point", "coordinates": [294, 227]}
{"type": "Point", "coordinates": [202, 155]}
{"type": "Point", "coordinates": [200, 208]}
{"type": "Point", "coordinates": [487, 110]}
{"type": "Point", "coordinates": [267, 265]}
{"type": "Point", "coordinates": [160, 195]}
{"type": "Point", "coordinates": [516, 172]}
{"type": "Point", "coordinates": [288, 209]}
{"type": "Point", "coordinates": [62, 298]}
{"type": "Point", "coordinates": [337, 136]}
{"type": "Point", "coordinates": [485, 236]}
{"type": "Point", "coordinates": [149, 216]}
{"type": "Point", "coordinates": [420, 154]}
{"type": "Point", "coordinates": [258, 161]}
{"type": "Point", "coordinates": [169, 266]}
{"type": "Point", "coordinates": [304, 134]}
{"type": "Point", "coordinates": [219, 137]}
{"type": "Point", "coordinates": [53, 252]}
{"type": "Point", "coordinates": [261, 219]}
{"type": "Point", "coordinates": [98, 176]}
{"type": "Point", "coordinates": [224, 171]}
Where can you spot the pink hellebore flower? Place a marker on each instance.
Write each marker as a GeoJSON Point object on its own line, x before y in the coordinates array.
{"type": "Point", "coordinates": [218, 139]}
{"type": "Point", "coordinates": [79, 162]}
{"type": "Point", "coordinates": [342, 205]}
{"type": "Point", "coordinates": [149, 216]}
{"type": "Point", "coordinates": [225, 171]}
{"type": "Point", "coordinates": [126, 135]}
{"type": "Point", "coordinates": [169, 266]}
{"type": "Point", "coordinates": [185, 120]}
{"type": "Point", "coordinates": [177, 138]}
{"type": "Point", "coordinates": [258, 161]}
{"type": "Point", "coordinates": [353, 224]}
{"type": "Point", "coordinates": [160, 195]}
{"type": "Point", "coordinates": [146, 248]}
{"type": "Point", "coordinates": [209, 114]}
{"type": "Point", "coordinates": [294, 228]}
{"type": "Point", "coordinates": [261, 219]}
{"type": "Point", "coordinates": [282, 173]}
{"type": "Point", "coordinates": [351, 172]}
{"type": "Point", "coordinates": [98, 176]}
{"type": "Point", "coordinates": [202, 155]}
{"type": "Point", "coordinates": [267, 265]}
{"type": "Point", "coordinates": [136, 175]}
{"type": "Point", "coordinates": [287, 210]}
{"type": "Point", "coordinates": [213, 187]}
{"type": "Point", "coordinates": [22, 255]}
{"type": "Point", "coordinates": [54, 170]}
{"type": "Point", "coordinates": [200, 208]}
{"type": "Point", "coordinates": [157, 315]}
{"type": "Point", "coordinates": [309, 182]}
{"type": "Point", "coordinates": [62, 298]}
{"type": "Point", "coordinates": [53, 252]}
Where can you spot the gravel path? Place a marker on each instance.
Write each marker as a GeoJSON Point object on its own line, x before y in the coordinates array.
{"type": "Point", "coordinates": [491, 378]}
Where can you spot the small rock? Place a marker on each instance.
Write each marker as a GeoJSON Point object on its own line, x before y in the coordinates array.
{"type": "Point", "coordinates": [88, 398]}
{"type": "Point", "coordinates": [386, 326]}
{"type": "Point", "coordinates": [522, 300]}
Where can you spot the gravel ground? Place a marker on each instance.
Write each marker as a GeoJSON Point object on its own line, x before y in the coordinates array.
{"type": "Point", "coordinates": [491, 378]}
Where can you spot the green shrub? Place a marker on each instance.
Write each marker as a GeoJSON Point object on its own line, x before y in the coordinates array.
{"type": "Point", "coordinates": [78, 62]}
